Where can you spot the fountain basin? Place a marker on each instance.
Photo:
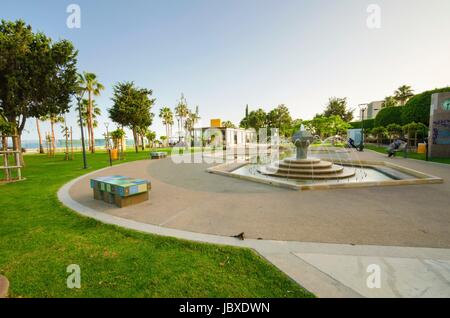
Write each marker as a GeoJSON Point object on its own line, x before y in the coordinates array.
{"type": "Point", "coordinates": [358, 174]}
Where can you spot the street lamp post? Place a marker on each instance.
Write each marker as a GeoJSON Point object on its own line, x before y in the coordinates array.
{"type": "Point", "coordinates": [79, 99]}
{"type": "Point", "coordinates": [362, 107]}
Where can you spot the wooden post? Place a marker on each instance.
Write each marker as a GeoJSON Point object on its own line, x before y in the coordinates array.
{"type": "Point", "coordinates": [5, 157]}
{"type": "Point", "coordinates": [17, 152]}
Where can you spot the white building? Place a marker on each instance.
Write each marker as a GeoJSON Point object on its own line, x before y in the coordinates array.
{"type": "Point", "coordinates": [229, 137]}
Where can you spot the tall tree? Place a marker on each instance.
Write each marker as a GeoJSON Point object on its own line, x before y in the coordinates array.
{"type": "Point", "coordinates": [37, 76]}
{"type": "Point", "coordinates": [338, 107]}
{"type": "Point", "coordinates": [166, 115]}
{"type": "Point", "coordinates": [191, 120]}
{"type": "Point", "coordinates": [257, 119]}
{"type": "Point", "coordinates": [132, 108]}
{"type": "Point", "coordinates": [389, 101]}
{"type": "Point", "coordinates": [280, 118]}
{"type": "Point", "coordinates": [403, 93]}
{"type": "Point", "coordinates": [151, 137]}
{"type": "Point", "coordinates": [182, 112]}
{"type": "Point", "coordinates": [95, 111]}
{"type": "Point", "coordinates": [89, 83]}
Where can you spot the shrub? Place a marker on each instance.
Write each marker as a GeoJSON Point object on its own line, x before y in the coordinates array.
{"type": "Point", "coordinates": [417, 109]}
{"type": "Point", "coordinates": [390, 115]}
{"type": "Point", "coordinates": [368, 123]}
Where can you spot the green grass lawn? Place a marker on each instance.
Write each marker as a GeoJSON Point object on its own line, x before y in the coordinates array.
{"type": "Point", "coordinates": [412, 155]}
{"type": "Point", "coordinates": [40, 238]}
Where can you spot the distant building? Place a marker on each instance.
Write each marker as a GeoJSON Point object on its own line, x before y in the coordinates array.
{"type": "Point", "coordinates": [372, 110]}
{"type": "Point", "coordinates": [229, 136]}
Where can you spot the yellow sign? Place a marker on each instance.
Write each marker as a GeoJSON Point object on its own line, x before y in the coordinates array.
{"type": "Point", "coordinates": [216, 123]}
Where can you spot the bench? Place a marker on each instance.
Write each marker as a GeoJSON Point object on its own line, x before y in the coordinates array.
{"type": "Point", "coordinates": [158, 154]}
{"type": "Point", "coordinates": [119, 190]}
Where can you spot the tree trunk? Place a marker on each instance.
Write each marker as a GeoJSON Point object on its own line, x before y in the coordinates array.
{"type": "Point", "coordinates": [167, 135]}
{"type": "Point", "coordinates": [136, 146]}
{"type": "Point", "coordinates": [41, 147]}
{"type": "Point", "coordinates": [87, 135]}
{"type": "Point", "coordinates": [17, 145]}
{"type": "Point", "coordinates": [90, 124]}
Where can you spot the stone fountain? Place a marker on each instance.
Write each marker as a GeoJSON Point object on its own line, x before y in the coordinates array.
{"type": "Point", "coordinates": [302, 167]}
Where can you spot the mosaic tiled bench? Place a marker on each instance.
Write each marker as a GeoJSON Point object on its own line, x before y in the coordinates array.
{"type": "Point", "coordinates": [158, 154]}
{"type": "Point", "coordinates": [120, 190]}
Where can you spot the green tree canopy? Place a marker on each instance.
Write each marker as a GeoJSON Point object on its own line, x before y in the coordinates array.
{"type": "Point", "coordinates": [389, 115]}
{"type": "Point", "coordinates": [394, 130]}
{"type": "Point", "coordinates": [280, 118]}
{"type": "Point", "coordinates": [338, 107]}
{"type": "Point", "coordinates": [132, 107]}
{"type": "Point", "coordinates": [379, 132]}
{"type": "Point", "coordinates": [417, 109]}
{"type": "Point", "coordinates": [257, 119]}
{"type": "Point", "coordinates": [37, 76]}
{"type": "Point", "coordinates": [228, 124]}
{"type": "Point", "coordinates": [326, 126]}
{"type": "Point", "coordinates": [96, 111]}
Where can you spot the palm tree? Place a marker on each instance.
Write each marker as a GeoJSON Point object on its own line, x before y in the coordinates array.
{"type": "Point", "coordinates": [181, 111]}
{"type": "Point", "coordinates": [403, 93]}
{"type": "Point", "coordinates": [96, 111]}
{"type": "Point", "coordinates": [191, 120]}
{"type": "Point", "coordinates": [53, 118]}
{"type": "Point", "coordinates": [89, 83]}
{"type": "Point", "coordinates": [389, 101]}
{"type": "Point", "coordinates": [166, 115]}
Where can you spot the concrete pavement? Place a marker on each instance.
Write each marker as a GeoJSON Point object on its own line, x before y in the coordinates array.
{"type": "Point", "coordinates": [188, 203]}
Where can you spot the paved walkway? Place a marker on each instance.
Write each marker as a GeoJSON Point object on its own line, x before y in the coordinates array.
{"type": "Point", "coordinates": [187, 202]}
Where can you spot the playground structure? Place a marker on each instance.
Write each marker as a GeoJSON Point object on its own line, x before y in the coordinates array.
{"type": "Point", "coordinates": [10, 164]}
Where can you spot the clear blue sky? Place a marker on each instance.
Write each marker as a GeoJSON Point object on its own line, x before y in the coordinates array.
{"type": "Point", "coordinates": [224, 54]}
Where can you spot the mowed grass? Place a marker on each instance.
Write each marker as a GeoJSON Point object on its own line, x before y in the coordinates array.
{"type": "Point", "coordinates": [39, 238]}
{"type": "Point", "coordinates": [412, 155]}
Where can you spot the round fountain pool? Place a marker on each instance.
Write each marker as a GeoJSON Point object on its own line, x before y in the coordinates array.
{"type": "Point", "coordinates": [350, 174]}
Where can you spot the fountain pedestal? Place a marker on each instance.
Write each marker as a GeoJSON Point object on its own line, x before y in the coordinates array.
{"type": "Point", "coordinates": [302, 139]}
{"type": "Point", "coordinates": [303, 167]}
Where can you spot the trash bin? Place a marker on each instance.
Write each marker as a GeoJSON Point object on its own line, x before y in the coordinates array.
{"type": "Point", "coordinates": [421, 148]}
{"type": "Point", "coordinates": [115, 154]}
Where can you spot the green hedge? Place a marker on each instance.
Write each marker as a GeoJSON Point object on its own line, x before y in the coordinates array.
{"type": "Point", "coordinates": [417, 109]}
{"type": "Point", "coordinates": [390, 115]}
{"type": "Point", "coordinates": [368, 123]}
